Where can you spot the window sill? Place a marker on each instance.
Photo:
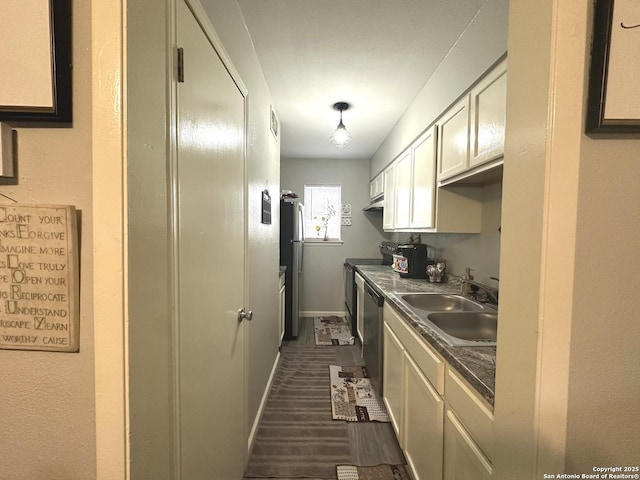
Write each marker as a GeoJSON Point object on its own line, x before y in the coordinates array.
{"type": "Point", "coordinates": [319, 241]}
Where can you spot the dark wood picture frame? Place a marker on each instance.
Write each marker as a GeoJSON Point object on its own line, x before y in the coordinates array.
{"type": "Point", "coordinates": [60, 112]}
{"type": "Point", "coordinates": [613, 34]}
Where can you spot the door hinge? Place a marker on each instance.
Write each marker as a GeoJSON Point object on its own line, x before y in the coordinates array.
{"type": "Point", "coordinates": [180, 65]}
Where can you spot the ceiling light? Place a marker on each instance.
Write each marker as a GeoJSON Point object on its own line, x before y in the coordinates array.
{"type": "Point", "coordinates": [341, 137]}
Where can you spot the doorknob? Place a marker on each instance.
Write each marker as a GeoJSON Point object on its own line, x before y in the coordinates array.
{"type": "Point", "coordinates": [242, 315]}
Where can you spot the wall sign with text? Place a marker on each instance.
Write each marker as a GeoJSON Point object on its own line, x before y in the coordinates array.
{"type": "Point", "coordinates": [39, 280]}
{"type": "Point", "coordinates": [614, 101]}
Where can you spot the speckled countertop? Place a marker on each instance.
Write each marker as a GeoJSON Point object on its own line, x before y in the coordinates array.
{"type": "Point", "coordinates": [476, 364]}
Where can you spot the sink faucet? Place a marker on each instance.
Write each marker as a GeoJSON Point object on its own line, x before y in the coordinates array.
{"type": "Point", "coordinates": [488, 295]}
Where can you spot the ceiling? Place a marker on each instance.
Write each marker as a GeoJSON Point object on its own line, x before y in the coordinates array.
{"type": "Point", "coordinates": [374, 54]}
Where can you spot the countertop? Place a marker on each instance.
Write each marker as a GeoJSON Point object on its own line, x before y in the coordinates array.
{"type": "Point", "coordinates": [476, 364]}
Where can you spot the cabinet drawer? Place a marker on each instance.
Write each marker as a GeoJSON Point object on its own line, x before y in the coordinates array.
{"type": "Point", "coordinates": [472, 410]}
{"type": "Point", "coordinates": [425, 357]}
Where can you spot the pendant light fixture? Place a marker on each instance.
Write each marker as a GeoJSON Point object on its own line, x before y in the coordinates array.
{"type": "Point", "coordinates": [341, 138]}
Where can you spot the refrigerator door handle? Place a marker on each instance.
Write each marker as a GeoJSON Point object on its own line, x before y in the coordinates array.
{"type": "Point", "coordinates": [301, 257]}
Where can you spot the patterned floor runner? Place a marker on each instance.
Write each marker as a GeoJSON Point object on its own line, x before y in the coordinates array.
{"type": "Point", "coordinates": [332, 331]}
{"type": "Point", "coordinates": [352, 397]}
{"type": "Point", "coordinates": [379, 472]}
{"type": "Point", "coordinates": [297, 437]}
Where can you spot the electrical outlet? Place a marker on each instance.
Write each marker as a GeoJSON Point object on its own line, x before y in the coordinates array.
{"type": "Point", "coordinates": [346, 221]}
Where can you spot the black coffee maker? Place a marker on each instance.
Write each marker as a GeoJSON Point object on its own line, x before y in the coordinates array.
{"type": "Point", "coordinates": [416, 255]}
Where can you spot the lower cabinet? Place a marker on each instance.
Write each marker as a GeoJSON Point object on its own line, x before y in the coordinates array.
{"type": "Point", "coordinates": [428, 412]}
{"type": "Point", "coordinates": [423, 424]}
{"type": "Point", "coordinates": [393, 379]}
{"type": "Point", "coordinates": [462, 457]}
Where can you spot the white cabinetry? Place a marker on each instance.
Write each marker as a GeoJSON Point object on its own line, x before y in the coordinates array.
{"type": "Point", "coordinates": [462, 458]}
{"type": "Point", "coordinates": [410, 371]}
{"type": "Point", "coordinates": [388, 214]}
{"type": "Point", "coordinates": [434, 184]}
{"type": "Point", "coordinates": [444, 427]}
{"type": "Point", "coordinates": [359, 313]}
{"type": "Point", "coordinates": [402, 204]}
{"type": "Point", "coordinates": [423, 181]}
{"type": "Point", "coordinates": [488, 115]}
{"type": "Point", "coordinates": [453, 140]}
{"type": "Point", "coordinates": [392, 378]}
{"type": "Point", "coordinates": [376, 186]}
{"type": "Point", "coordinates": [423, 424]}
{"type": "Point", "coordinates": [471, 133]}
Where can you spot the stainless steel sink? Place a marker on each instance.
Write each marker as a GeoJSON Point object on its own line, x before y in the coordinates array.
{"type": "Point", "coordinates": [476, 327]}
{"type": "Point", "coordinates": [460, 321]}
{"type": "Point", "coordinates": [441, 302]}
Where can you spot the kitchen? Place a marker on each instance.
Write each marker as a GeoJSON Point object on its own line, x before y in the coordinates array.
{"type": "Point", "coordinates": [521, 203]}
{"type": "Point", "coordinates": [324, 298]}
{"type": "Point", "coordinates": [566, 375]}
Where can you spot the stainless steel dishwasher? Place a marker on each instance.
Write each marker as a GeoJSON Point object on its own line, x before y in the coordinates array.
{"type": "Point", "coordinates": [372, 341]}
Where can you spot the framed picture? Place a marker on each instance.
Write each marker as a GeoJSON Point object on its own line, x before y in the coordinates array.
{"type": "Point", "coordinates": [614, 101]}
{"type": "Point", "coordinates": [275, 124]}
{"type": "Point", "coordinates": [35, 61]}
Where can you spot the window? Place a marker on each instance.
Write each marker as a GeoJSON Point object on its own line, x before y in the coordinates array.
{"type": "Point", "coordinates": [322, 212]}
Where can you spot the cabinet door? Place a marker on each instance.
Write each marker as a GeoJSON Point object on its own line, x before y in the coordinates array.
{"type": "Point", "coordinates": [423, 191]}
{"type": "Point", "coordinates": [463, 460]}
{"type": "Point", "coordinates": [376, 186]}
{"type": "Point", "coordinates": [393, 382]}
{"type": "Point", "coordinates": [403, 190]}
{"type": "Point", "coordinates": [423, 425]}
{"type": "Point", "coordinates": [488, 114]}
{"type": "Point", "coordinates": [388, 218]}
{"type": "Point", "coordinates": [453, 140]}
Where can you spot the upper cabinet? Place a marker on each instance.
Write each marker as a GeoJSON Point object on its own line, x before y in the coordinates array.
{"type": "Point", "coordinates": [487, 115]}
{"type": "Point", "coordinates": [423, 180]}
{"type": "Point", "coordinates": [471, 133]}
{"type": "Point", "coordinates": [409, 200]}
{"type": "Point", "coordinates": [376, 186]}
{"type": "Point", "coordinates": [403, 190]}
{"type": "Point", "coordinates": [389, 212]}
{"type": "Point", "coordinates": [453, 143]}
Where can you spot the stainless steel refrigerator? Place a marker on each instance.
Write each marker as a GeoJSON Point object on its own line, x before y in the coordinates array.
{"type": "Point", "coordinates": [292, 257]}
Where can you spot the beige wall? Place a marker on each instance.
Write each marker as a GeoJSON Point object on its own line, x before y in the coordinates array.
{"type": "Point", "coordinates": [48, 422]}
{"type": "Point", "coordinates": [323, 287]}
{"type": "Point", "coordinates": [480, 252]}
{"type": "Point", "coordinates": [567, 355]}
{"type": "Point", "coordinates": [149, 306]}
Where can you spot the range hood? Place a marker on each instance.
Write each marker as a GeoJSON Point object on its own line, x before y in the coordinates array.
{"type": "Point", "coordinates": [375, 206]}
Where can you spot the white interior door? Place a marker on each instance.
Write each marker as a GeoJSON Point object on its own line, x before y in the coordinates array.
{"type": "Point", "coordinates": [212, 434]}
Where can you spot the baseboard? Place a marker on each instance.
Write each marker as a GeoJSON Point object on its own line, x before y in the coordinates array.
{"type": "Point", "coordinates": [263, 402]}
{"type": "Point", "coordinates": [312, 313]}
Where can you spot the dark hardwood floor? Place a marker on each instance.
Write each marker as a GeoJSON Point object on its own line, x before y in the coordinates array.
{"type": "Point", "coordinates": [371, 443]}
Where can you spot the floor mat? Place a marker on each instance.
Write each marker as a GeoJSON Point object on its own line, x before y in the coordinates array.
{"type": "Point", "coordinates": [379, 472]}
{"type": "Point", "coordinates": [353, 398]}
{"type": "Point", "coordinates": [332, 331]}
